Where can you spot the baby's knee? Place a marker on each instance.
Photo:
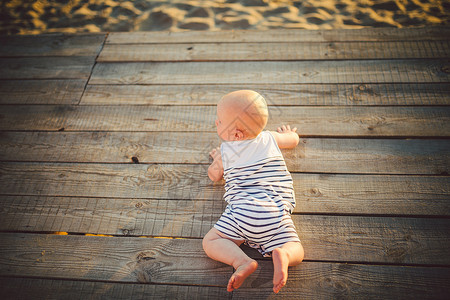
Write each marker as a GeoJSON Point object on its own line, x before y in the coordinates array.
{"type": "Point", "coordinates": [205, 241]}
{"type": "Point", "coordinates": [209, 237]}
{"type": "Point", "coordinates": [299, 253]}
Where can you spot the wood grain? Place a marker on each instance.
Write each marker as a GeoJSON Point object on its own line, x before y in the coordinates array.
{"type": "Point", "coordinates": [51, 45]}
{"type": "Point", "coordinates": [129, 160]}
{"type": "Point", "coordinates": [274, 72]}
{"type": "Point", "coordinates": [32, 288]}
{"type": "Point", "coordinates": [275, 51]}
{"type": "Point", "coordinates": [282, 35]}
{"type": "Point", "coordinates": [279, 94]}
{"type": "Point", "coordinates": [311, 155]}
{"type": "Point", "coordinates": [374, 239]}
{"type": "Point", "coordinates": [372, 194]}
{"type": "Point", "coordinates": [73, 67]}
{"type": "Point", "coordinates": [183, 261]}
{"type": "Point", "coordinates": [315, 193]}
{"type": "Point", "coordinates": [311, 280]}
{"type": "Point", "coordinates": [123, 259]}
{"type": "Point", "coordinates": [93, 180]}
{"type": "Point", "coordinates": [311, 121]}
{"type": "Point", "coordinates": [111, 216]}
{"type": "Point", "coordinates": [328, 238]}
{"type": "Point", "coordinates": [13, 92]}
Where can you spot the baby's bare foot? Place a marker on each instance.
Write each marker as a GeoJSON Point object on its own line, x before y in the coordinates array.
{"type": "Point", "coordinates": [241, 273]}
{"type": "Point", "coordinates": [280, 268]}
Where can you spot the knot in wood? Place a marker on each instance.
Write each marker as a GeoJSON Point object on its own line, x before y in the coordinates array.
{"type": "Point", "coordinates": [143, 257]}
{"type": "Point", "coordinates": [315, 192]}
{"type": "Point", "coordinates": [446, 69]}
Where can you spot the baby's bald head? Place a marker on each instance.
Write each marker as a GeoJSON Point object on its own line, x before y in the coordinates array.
{"type": "Point", "coordinates": [241, 115]}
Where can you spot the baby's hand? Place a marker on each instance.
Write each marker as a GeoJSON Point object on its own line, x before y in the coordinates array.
{"type": "Point", "coordinates": [286, 129]}
{"type": "Point", "coordinates": [214, 152]}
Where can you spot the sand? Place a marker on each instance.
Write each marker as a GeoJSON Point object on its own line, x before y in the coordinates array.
{"type": "Point", "coordinates": [47, 16]}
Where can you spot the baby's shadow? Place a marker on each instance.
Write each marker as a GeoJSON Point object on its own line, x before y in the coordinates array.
{"type": "Point", "coordinates": [263, 276]}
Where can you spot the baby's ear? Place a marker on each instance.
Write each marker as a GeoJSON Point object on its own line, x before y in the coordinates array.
{"type": "Point", "coordinates": [239, 135]}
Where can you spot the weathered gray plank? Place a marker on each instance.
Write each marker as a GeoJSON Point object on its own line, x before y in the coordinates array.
{"type": "Point", "coordinates": [280, 94]}
{"type": "Point", "coordinates": [335, 194]}
{"type": "Point", "coordinates": [49, 289]}
{"type": "Point", "coordinates": [311, 121]}
{"type": "Point", "coordinates": [311, 155]}
{"type": "Point", "coordinates": [73, 67]}
{"type": "Point", "coordinates": [329, 238]}
{"type": "Point", "coordinates": [274, 51]}
{"type": "Point", "coordinates": [311, 280]}
{"type": "Point", "coordinates": [370, 156]}
{"type": "Point", "coordinates": [94, 180]}
{"type": "Point", "coordinates": [113, 216]}
{"type": "Point", "coordinates": [283, 72]}
{"type": "Point", "coordinates": [375, 239]}
{"type": "Point", "coordinates": [41, 91]}
{"type": "Point", "coordinates": [283, 35]}
{"type": "Point", "coordinates": [182, 261]}
{"type": "Point", "coordinates": [374, 194]}
{"type": "Point", "coordinates": [52, 45]}
{"type": "Point", "coordinates": [123, 259]}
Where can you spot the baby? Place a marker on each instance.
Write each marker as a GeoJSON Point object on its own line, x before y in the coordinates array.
{"type": "Point", "coordinates": [258, 189]}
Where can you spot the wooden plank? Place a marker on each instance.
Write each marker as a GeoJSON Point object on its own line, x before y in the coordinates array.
{"type": "Point", "coordinates": [110, 259]}
{"type": "Point", "coordinates": [311, 121]}
{"type": "Point", "coordinates": [274, 51]}
{"type": "Point", "coordinates": [280, 94]}
{"type": "Point", "coordinates": [312, 155]}
{"type": "Point", "coordinates": [110, 180]}
{"type": "Point", "coordinates": [265, 72]}
{"type": "Point", "coordinates": [311, 280]}
{"type": "Point", "coordinates": [372, 194]}
{"type": "Point", "coordinates": [41, 91]}
{"type": "Point", "coordinates": [52, 45]}
{"type": "Point", "coordinates": [375, 239]}
{"type": "Point", "coordinates": [370, 156]}
{"type": "Point", "coordinates": [48, 289]}
{"type": "Point", "coordinates": [329, 238]}
{"type": "Point", "coordinates": [114, 216]}
{"type": "Point", "coordinates": [183, 261]}
{"type": "Point", "coordinates": [282, 35]}
{"type": "Point", "coordinates": [73, 67]}
{"type": "Point", "coordinates": [315, 193]}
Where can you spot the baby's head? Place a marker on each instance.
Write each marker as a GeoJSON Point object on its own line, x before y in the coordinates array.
{"type": "Point", "coordinates": [241, 115]}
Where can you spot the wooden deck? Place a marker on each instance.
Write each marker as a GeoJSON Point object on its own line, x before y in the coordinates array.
{"type": "Point", "coordinates": [104, 142]}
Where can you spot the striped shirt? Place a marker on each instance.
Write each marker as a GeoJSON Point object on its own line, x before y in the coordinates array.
{"type": "Point", "coordinates": [259, 192]}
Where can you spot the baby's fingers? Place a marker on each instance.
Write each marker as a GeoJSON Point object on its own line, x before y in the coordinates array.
{"type": "Point", "coordinates": [281, 129]}
{"type": "Point", "coordinates": [213, 152]}
{"type": "Point", "coordinates": [286, 128]}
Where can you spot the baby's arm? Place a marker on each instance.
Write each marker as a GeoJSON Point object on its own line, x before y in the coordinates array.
{"type": "Point", "coordinates": [286, 137]}
{"type": "Point", "coordinates": [215, 170]}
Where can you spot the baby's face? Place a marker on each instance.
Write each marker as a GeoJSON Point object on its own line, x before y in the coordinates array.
{"type": "Point", "coordinates": [224, 123]}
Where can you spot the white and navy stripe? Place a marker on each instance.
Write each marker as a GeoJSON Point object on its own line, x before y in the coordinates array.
{"type": "Point", "coordinates": [260, 195]}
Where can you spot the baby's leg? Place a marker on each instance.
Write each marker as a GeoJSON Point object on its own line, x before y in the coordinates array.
{"type": "Point", "coordinates": [288, 255]}
{"type": "Point", "coordinates": [220, 248]}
